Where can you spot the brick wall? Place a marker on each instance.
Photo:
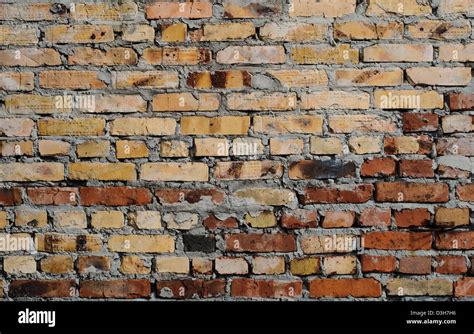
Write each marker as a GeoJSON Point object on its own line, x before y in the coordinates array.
{"type": "Point", "coordinates": [232, 149]}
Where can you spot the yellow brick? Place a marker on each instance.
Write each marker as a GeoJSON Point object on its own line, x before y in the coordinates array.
{"type": "Point", "coordinates": [174, 171]}
{"type": "Point", "coordinates": [129, 149]}
{"type": "Point", "coordinates": [456, 52]}
{"type": "Point", "coordinates": [176, 56]}
{"type": "Point", "coordinates": [3, 219]}
{"type": "Point", "coordinates": [286, 146]}
{"type": "Point", "coordinates": [268, 54]}
{"type": "Point", "coordinates": [451, 217]}
{"type": "Point", "coordinates": [73, 127]}
{"type": "Point", "coordinates": [325, 8]}
{"type": "Point", "coordinates": [62, 34]}
{"type": "Point", "coordinates": [305, 266]}
{"type": "Point", "coordinates": [439, 76]}
{"type": "Point", "coordinates": [112, 56]}
{"type": "Point", "coordinates": [437, 29]}
{"type": "Point", "coordinates": [342, 54]}
{"type": "Point", "coordinates": [118, 104]}
{"type": "Point", "coordinates": [248, 170]}
{"type": "Point", "coordinates": [175, 32]}
{"type": "Point", "coordinates": [102, 171]}
{"type": "Point", "coordinates": [246, 147]}
{"type": "Point", "coordinates": [107, 219]}
{"type": "Point", "coordinates": [294, 32]}
{"type": "Point", "coordinates": [54, 242]}
{"type": "Point", "coordinates": [134, 265]}
{"type": "Point", "coordinates": [17, 35]}
{"type": "Point", "coordinates": [398, 7]}
{"type": "Point", "coordinates": [32, 57]}
{"type": "Point", "coordinates": [360, 123]}
{"type": "Point", "coordinates": [172, 264]}
{"type": "Point", "coordinates": [104, 12]}
{"type": "Point", "coordinates": [28, 172]}
{"type": "Point", "coordinates": [93, 149]}
{"type": "Point", "coordinates": [16, 148]}
{"type": "Point", "coordinates": [365, 144]}
{"type": "Point", "coordinates": [147, 80]}
{"type": "Point", "coordinates": [173, 149]}
{"type": "Point", "coordinates": [456, 6]}
{"type": "Point", "coordinates": [211, 147]}
{"type": "Point", "coordinates": [227, 31]}
{"type": "Point", "coordinates": [57, 264]}
{"type": "Point", "coordinates": [141, 243]}
{"type": "Point", "coordinates": [261, 220]}
{"type": "Point", "coordinates": [35, 104]}
{"type": "Point", "coordinates": [408, 99]}
{"type": "Point", "coordinates": [138, 33]}
{"type": "Point", "coordinates": [223, 125]}
{"type": "Point", "coordinates": [70, 219]}
{"type": "Point", "coordinates": [17, 81]}
{"type": "Point", "coordinates": [363, 30]}
{"type": "Point", "coordinates": [71, 80]}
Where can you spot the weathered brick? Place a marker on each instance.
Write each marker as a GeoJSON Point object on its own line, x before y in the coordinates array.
{"type": "Point", "coordinates": [35, 171]}
{"type": "Point", "coordinates": [293, 31]}
{"type": "Point", "coordinates": [251, 9]}
{"type": "Point", "coordinates": [248, 170]}
{"type": "Point", "coordinates": [324, 8]}
{"type": "Point", "coordinates": [222, 125]}
{"type": "Point", "coordinates": [41, 288]}
{"type": "Point", "coordinates": [317, 169]}
{"type": "Point", "coordinates": [190, 288]}
{"type": "Point", "coordinates": [288, 124]}
{"type": "Point", "coordinates": [174, 171]}
{"type": "Point", "coordinates": [127, 289]}
{"type": "Point", "coordinates": [128, 126]}
{"type": "Point", "coordinates": [394, 240]}
{"type": "Point", "coordinates": [251, 288]}
{"type": "Point", "coordinates": [439, 76]}
{"type": "Point", "coordinates": [342, 54]}
{"type": "Point", "coordinates": [111, 57]}
{"type": "Point", "coordinates": [378, 263]}
{"type": "Point", "coordinates": [93, 264]}
{"type": "Point", "coordinates": [412, 217]}
{"type": "Point", "coordinates": [411, 287]}
{"type": "Point", "coordinates": [338, 194]}
{"type": "Point", "coordinates": [437, 29]}
{"type": "Point", "coordinates": [369, 77]}
{"type": "Point", "coordinates": [78, 34]}
{"type": "Point", "coordinates": [171, 9]}
{"type": "Point", "coordinates": [114, 196]}
{"type": "Point", "coordinates": [398, 7]}
{"type": "Point", "coordinates": [260, 243]}
{"type": "Point", "coordinates": [141, 243]}
{"type": "Point", "coordinates": [343, 288]}
{"type": "Point", "coordinates": [251, 55]}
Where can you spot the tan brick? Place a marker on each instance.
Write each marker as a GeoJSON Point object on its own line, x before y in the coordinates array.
{"type": "Point", "coordinates": [294, 32]}
{"type": "Point", "coordinates": [251, 9]}
{"type": "Point", "coordinates": [326, 146]}
{"type": "Point", "coordinates": [17, 35]}
{"type": "Point", "coordinates": [64, 34]}
{"type": "Point", "coordinates": [456, 6]}
{"type": "Point", "coordinates": [411, 287]}
{"type": "Point", "coordinates": [267, 54]}
{"type": "Point", "coordinates": [134, 264]}
{"type": "Point", "coordinates": [457, 123]}
{"type": "Point", "coordinates": [268, 265]}
{"type": "Point", "coordinates": [143, 126]}
{"type": "Point", "coordinates": [35, 104]}
{"type": "Point", "coordinates": [138, 33]}
{"type": "Point", "coordinates": [93, 149]}
{"type": "Point", "coordinates": [264, 196]}
{"type": "Point", "coordinates": [437, 29]}
{"type": "Point", "coordinates": [288, 124]}
{"type": "Point", "coordinates": [15, 81]}
{"type": "Point", "coordinates": [141, 243]}
{"type": "Point", "coordinates": [325, 8]}
{"type": "Point", "coordinates": [110, 57]}
{"type": "Point", "coordinates": [231, 266]}
{"type": "Point", "coordinates": [360, 123]}
{"type": "Point", "coordinates": [369, 77]}
{"type": "Point", "coordinates": [456, 52]}
{"type": "Point", "coordinates": [16, 127]}
{"type": "Point", "coordinates": [54, 242]}
{"type": "Point", "coordinates": [398, 7]}
{"type": "Point", "coordinates": [398, 53]}
{"type": "Point", "coordinates": [286, 146]}
{"type": "Point", "coordinates": [19, 265]}
{"type": "Point", "coordinates": [3, 219]}
{"type": "Point", "coordinates": [185, 102]}
{"type": "Point", "coordinates": [315, 54]}
{"type": "Point", "coordinates": [31, 57]}
{"type": "Point", "coordinates": [261, 101]}
{"type": "Point", "coordinates": [408, 99]}
{"type": "Point", "coordinates": [130, 149]}
{"type": "Point", "coordinates": [246, 147]}
{"type": "Point", "coordinates": [408, 145]}
{"type": "Point", "coordinates": [147, 80]}
{"type": "Point", "coordinates": [102, 171]}
{"type": "Point", "coordinates": [211, 147]}
{"type": "Point", "coordinates": [261, 220]}
{"type": "Point", "coordinates": [340, 265]}
{"type": "Point", "coordinates": [171, 9]}
{"type": "Point", "coordinates": [300, 78]}
{"type": "Point", "coordinates": [174, 171]}
{"type": "Point", "coordinates": [146, 220]}
{"type": "Point", "coordinates": [222, 125]}
{"type": "Point", "coordinates": [363, 30]}
{"type": "Point", "coordinates": [176, 56]}
{"type": "Point", "coordinates": [70, 219]}
{"type": "Point", "coordinates": [248, 170]}
{"type": "Point", "coordinates": [335, 100]}
{"type": "Point", "coordinates": [227, 31]}
{"type": "Point", "coordinates": [202, 265]}
{"type": "Point", "coordinates": [53, 147]}
{"type": "Point", "coordinates": [28, 172]}
{"type": "Point", "coordinates": [172, 264]}
{"type": "Point", "coordinates": [181, 221]}
{"type": "Point", "coordinates": [107, 219]}
{"type": "Point", "coordinates": [452, 217]}
{"type": "Point", "coordinates": [31, 217]}
{"type": "Point", "coordinates": [29, 12]}
{"type": "Point", "coordinates": [336, 243]}
{"type": "Point", "coordinates": [74, 127]}
{"type": "Point", "coordinates": [57, 264]}
{"type": "Point", "coordinates": [16, 148]}
{"type": "Point", "coordinates": [439, 76]}
{"type": "Point", "coordinates": [365, 144]}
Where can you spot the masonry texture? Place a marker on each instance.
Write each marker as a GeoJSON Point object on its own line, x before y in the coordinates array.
{"type": "Point", "coordinates": [278, 149]}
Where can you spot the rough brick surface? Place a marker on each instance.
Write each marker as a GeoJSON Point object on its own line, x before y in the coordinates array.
{"type": "Point", "coordinates": [236, 149]}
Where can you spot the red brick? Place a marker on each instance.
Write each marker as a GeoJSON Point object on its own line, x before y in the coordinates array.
{"type": "Point", "coordinates": [416, 168]}
{"type": "Point", "coordinates": [461, 101]}
{"type": "Point", "coordinates": [42, 288]}
{"type": "Point", "coordinates": [191, 196]}
{"type": "Point", "coordinates": [420, 122]}
{"type": "Point", "coordinates": [419, 265]}
{"type": "Point", "coordinates": [464, 287]}
{"type": "Point", "coordinates": [253, 288]}
{"type": "Point", "coordinates": [378, 167]}
{"type": "Point", "coordinates": [212, 222]}
{"type": "Point", "coordinates": [376, 263]}
{"type": "Point", "coordinates": [123, 289]}
{"type": "Point", "coordinates": [342, 288]}
{"type": "Point", "coordinates": [299, 218]}
{"type": "Point", "coordinates": [360, 193]}
{"type": "Point", "coordinates": [114, 196]}
{"type": "Point", "coordinates": [412, 217]}
{"type": "Point", "coordinates": [455, 240]}
{"type": "Point", "coordinates": [447, 264]}
{"type": "Point", "coordinates": [53, 196]}
{"type": "Point", "coordinates": [375, 217]}
{"type": "Point", "coordinates": [260, 243]}
{"type": "Point", "coordinates": [394, 240]}
{"type": "Point", "coordinates": [411, 192]}
{"type": "Point", "coordinates": [465, 192]}
{"type": "Point", "coordinates": [10, 196]}
{"type": "Point", "coordinates": [189, 288]}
